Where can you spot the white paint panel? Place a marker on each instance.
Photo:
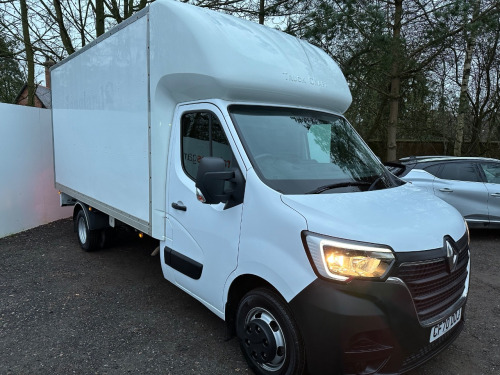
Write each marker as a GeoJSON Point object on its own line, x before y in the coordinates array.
{"type": "Point", "coordinates": [270, 241]}
{"type": "Point", "coordinates": [404, 218]}
{"type": "Point", "coordinates": [101, 125]}
{"type": "Point", "coordinates": [27, 194]}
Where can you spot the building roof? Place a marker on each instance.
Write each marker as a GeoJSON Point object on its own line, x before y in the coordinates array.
{"type": "Point", "coordinates": [42, 93]}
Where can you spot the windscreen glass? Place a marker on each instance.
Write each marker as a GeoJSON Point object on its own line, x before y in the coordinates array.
{"type": "Point", "coordinates": [297, 151]}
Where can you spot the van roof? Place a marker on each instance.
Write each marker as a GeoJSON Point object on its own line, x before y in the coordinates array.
{"type": "Point", "coordinates": [199, 54]}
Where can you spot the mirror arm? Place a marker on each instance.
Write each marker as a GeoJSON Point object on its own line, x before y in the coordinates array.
{"type": "Point", "coordinates": [236, 195]}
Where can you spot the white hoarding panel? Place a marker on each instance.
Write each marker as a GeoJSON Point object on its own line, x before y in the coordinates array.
{"type": "Point", "coordinates": [27, 194]}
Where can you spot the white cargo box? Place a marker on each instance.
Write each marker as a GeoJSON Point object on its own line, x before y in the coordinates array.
{"type": "Point", "coordinates": [114, 100]}
{"type": "Point", "coordinates": [101, 124]}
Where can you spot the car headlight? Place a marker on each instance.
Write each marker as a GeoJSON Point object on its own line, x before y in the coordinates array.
{"type": "Point", "coordinates": [344, 260]}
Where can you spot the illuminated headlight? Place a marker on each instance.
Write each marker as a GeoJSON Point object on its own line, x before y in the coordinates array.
{"type": "Point", "coordinates": [344, 260]}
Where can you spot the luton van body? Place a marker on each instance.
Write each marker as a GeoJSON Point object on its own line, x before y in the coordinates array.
{"type": "Point", "coordinates": [225, 141]}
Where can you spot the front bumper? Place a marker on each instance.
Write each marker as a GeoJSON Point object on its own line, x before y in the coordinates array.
{"type": "Point", "coordinates": [365, 328]}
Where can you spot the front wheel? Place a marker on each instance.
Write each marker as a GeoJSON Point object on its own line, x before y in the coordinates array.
{"type": "Point", "coordinates": [268, 335]}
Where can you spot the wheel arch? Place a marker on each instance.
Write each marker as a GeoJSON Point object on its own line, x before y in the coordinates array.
{"type": "Point", "coordinates": [239, 287]}
{"type": "Point", "coordinates": [79, 206]}
{"type": "Point", "coordinates": [95, 219]}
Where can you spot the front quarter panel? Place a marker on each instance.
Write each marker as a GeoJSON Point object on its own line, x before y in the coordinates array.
{"type": "Point", "coordinates": [270, 243]}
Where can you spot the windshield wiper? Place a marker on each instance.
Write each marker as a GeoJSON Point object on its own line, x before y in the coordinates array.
{"type": "Point", "coordinates": [338, 185]}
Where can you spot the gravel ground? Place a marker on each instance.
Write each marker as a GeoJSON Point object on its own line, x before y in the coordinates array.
{"type": "Point", "coordinates": [65, 311]}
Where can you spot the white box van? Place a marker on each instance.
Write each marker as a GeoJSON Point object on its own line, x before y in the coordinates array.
{"type": "Point", "coordinates": [225, 141]}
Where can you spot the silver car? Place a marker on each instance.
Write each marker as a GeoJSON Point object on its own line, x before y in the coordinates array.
{"type": "Point", "coordinates": [471, 185]}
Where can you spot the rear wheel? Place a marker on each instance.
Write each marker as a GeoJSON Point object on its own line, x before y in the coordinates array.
{"type": "Point", "coordinates": [268, 335]}
{"type": "Point", "coordinates": [89, 239]}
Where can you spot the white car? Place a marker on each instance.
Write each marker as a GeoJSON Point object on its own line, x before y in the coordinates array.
{"type": "Point", "coordinates": [471, 185]}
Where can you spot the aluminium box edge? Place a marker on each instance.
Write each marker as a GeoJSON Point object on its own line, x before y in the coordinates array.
{"type": "Point", "coordinates": [109, 210]}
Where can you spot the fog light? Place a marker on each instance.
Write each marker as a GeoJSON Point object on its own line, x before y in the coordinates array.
{"type": "Point", "coordinates": [365, 357]}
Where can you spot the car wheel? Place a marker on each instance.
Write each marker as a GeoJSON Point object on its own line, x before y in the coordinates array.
{"type": "Point", "coordinates": [268, 335]}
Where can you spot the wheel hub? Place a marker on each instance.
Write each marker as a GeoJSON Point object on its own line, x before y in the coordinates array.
{"type": "Point", "coordinates": [82, 230]}
{"type": "Point", "coordinates": [263, 340]}
{"type": "Point", "coordinates": [260, 341]}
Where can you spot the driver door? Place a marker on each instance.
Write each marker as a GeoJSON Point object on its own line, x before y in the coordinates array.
{"type": "Point", "coordinates": [203, 250]}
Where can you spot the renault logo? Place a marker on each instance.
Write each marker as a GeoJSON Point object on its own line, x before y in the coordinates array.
{"type": "Point", "coordinates": [452, 257]}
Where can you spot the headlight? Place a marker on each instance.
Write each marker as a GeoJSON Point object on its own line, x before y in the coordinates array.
{"type": "Point", "coordinates": [344, 260]}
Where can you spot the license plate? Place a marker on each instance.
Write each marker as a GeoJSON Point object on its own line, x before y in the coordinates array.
{"type": "Point", "coordinates": [440, 329]}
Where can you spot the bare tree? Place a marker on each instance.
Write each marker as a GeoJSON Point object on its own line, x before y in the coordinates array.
{"type": "Point", "coordinates": [57, 16]}
{"type": "Point", "coordinates": [395, 77]}
{"type": "Point", "coordinates": [29, 53]}
{"type": "Point", "coordinates": [389, 48]}
{"type": "Point", "coordinates": [470, 37]}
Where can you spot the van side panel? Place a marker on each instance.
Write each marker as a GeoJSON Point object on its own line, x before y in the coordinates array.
{"type": "Point", "coordinates": [101, 124]}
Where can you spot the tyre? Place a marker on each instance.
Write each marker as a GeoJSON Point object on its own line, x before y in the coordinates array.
{"type": "Point", "coordinates": [268, 335]}
{"type": "Point", "coordinates": [89, 239]}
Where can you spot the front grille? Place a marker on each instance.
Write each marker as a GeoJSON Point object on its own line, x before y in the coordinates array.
{"type": "Point", "coordinates": [433, 288]}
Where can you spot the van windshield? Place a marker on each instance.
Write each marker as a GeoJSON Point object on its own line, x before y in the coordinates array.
{"type": "Point", "coordinates": [297, 151]}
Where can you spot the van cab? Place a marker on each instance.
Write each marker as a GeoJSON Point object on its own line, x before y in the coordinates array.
{"type": "Point", "coordinates": [285, 224]}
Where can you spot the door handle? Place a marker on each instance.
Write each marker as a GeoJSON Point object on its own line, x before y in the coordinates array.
{"type": "Point", "coordinates": [446, 190]}
{"type": "Point", "coordinates": [179, 207]}
{"type": "Point", "coordinates": [496, 195]}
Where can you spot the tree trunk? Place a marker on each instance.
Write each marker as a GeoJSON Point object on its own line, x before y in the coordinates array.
{"type": "Point", "coordinates": [68, 46]}
{"type": "Point", "coordinates": [462, 103]}
{"type": "Point", "coordinates": [128, 8]}
{"type": "Point", "coordinates": [99, 18]}
{"type": "Point", "coordinates": [115, 10]}
{"type": "Point", "coordinates": [29, 53]}
{"type": "Point", "coordinates": [261, 12]}
{"type": "Point", "coordinates": [81, 27]}
{"type": "Point", "coordinates": [395, 82]}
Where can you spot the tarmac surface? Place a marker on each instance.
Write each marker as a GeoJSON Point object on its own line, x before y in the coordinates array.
{"type": "Point", "coordinates": [65, 311]}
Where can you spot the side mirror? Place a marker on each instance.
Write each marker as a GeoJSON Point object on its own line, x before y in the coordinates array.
{"type": "Point", "coordinates": [211, 183]}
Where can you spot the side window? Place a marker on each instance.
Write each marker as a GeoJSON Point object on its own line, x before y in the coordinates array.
{"type": "Point", "coordinates": [202, 135]}
{"type": "Point", "coordinates": [491, 172]}
{"type": "Point", "coordinates": [459, 171]}
{"type": "Point", "coordinates": [433, 169]}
